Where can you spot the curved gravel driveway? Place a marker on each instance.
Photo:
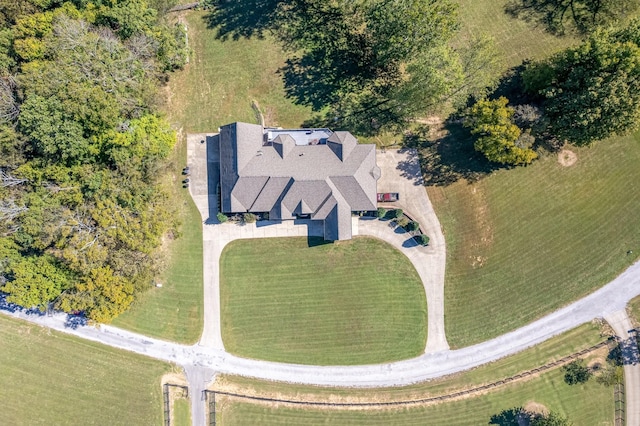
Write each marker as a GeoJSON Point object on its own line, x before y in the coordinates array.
{"type": "Point", "coordinates": [609, 299]}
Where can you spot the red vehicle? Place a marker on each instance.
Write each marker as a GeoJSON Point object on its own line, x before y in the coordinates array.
{"type": "Point", "coordinates": [387, 197]}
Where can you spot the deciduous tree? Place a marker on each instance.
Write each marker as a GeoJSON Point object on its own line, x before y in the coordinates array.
{"type": "Point", "coordinates": [492, 121]}
{"type": "Point", "coordinates": [592, 91]}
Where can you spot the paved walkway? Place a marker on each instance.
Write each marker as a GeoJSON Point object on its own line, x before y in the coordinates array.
{"type": "Point", "coordinates": [619, 321]}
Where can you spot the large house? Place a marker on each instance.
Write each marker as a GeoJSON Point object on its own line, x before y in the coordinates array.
{"type": "Point", "coordinates": [297, 173]}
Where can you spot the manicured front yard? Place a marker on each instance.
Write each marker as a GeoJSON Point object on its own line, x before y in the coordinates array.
{"type": "Point", "coordinates": [302, 301]}
{"type": "Point", "coordinates": [51, 378]}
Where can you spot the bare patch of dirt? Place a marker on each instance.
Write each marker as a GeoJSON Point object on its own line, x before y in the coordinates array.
{"type": "Point", "coordinates": [435, 125]}
{"type": "Point", "coordinates": [175, 379]}
{"type": "Point", "coordinates": [270, 117]}
{"type": "Point", "coordinates": [567, 158]}
{"type": "Point", "coordinates": [482, 225]}
{"type": "Point", "coordinates": [536, 407]}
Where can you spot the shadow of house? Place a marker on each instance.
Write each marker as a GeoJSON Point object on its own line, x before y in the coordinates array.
{"type": "Point", "coordinates": [213, 177]}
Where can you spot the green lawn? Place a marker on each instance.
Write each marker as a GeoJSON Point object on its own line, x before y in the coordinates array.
{"type": "Point", "coordinates": [515, 39]}
{"type": "Point", "coordinates": [590, 404]}
{"type": "Point", "coordinates": [634, 309]}
{"type": "Point", "coordinates": [224, 77]}
{"type": "Point", "coordinates": [50, 378]}
{"type": "Point", "coordinates": [352, 302]}
{"type": "Point", "coordinates": [181, 412]}
{"type": "Point", "coordinates": [174, 311]}
{"type": "Point", "coordinates": [524, 242]}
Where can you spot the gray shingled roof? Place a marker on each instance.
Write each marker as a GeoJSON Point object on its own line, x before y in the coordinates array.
{"type": "Point", "coordinates": [326, 181]}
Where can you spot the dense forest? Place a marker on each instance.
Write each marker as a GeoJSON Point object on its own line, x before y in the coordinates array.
{"type": "Point", "coordinates": [81, 148]}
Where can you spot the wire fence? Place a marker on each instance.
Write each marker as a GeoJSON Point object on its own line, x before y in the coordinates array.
{"type": "Point", "coordinates": [438, 398]}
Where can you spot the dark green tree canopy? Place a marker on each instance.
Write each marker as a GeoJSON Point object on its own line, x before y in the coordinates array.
{"type": "Point", "coordinates": [592, 91]}
{"type": "Point", "coordinates": [366, 65]}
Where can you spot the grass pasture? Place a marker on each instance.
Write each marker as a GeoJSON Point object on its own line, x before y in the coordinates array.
{"type": "Point", "coordinates": [587, 404]}
{"type": "Point", "coordinates": [51, 378]}
{"type": "Point", "coordinates": [302, 301]}
{"type": "Point", "coordinates": [526, 241]}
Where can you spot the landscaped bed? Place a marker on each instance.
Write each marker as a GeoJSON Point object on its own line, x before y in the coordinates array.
{"type": "Point", "coordinates": [304, 301]}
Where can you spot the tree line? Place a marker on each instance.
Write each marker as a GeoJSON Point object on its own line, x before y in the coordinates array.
{"type": "Point", "coordinates": [81, 147]}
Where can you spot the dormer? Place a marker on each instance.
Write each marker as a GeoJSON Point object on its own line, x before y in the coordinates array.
{"type": "Point", "coordinates": [283, 144]}
{"type": "Point", "coordinates": [342, 143]}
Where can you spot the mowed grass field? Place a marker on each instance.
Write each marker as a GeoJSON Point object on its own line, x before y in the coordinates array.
{"type": "Point", "coordinates": [633, 308]}
{"type": "Point", "coordinates": [524, 242]}
{"type": "Point", "coordinates": [515, 38]}
{"type": "Point", "coordinates": [589, 404]}
{"type": "Point", "coordinates": [50, 378]}
{"type": "Point", "coordinates": [301, 301]}
{"type": "Point", "coordinates": [222, 79]}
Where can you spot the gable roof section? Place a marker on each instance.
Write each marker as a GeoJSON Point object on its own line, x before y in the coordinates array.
{"type": "Point", "coordinates": [283, 144]}
{"type": "Point", "coordinates": [270, 194]}
{"type": "Point", "coordinates": [353, 192]}
{"type": "Point", "coordinates": [342, 144]}
{"type": "Point", "coordinates": [307, 195]}
{"type": "Point", "coordinates": [247, 189]}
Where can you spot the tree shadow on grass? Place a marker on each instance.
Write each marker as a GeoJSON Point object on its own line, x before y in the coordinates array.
{"type": "Point", "coordinates": [511, 417]}
{"type": "Point", "coordinates": [446, 159]}
{"type": "Point", "coordinates": [241, 19]}
{"type": "Point", "coordinates": [625, 352]}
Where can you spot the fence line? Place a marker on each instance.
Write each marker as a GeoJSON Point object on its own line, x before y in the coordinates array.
{"type": "Point", "coordinates": [210, 397]}
{"type": "Point", "coordinates": [618, 392]}
{"type": "Point", "coordinates": [439, 398]}
{"type": "Point", "coordinates": [167, 400]}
